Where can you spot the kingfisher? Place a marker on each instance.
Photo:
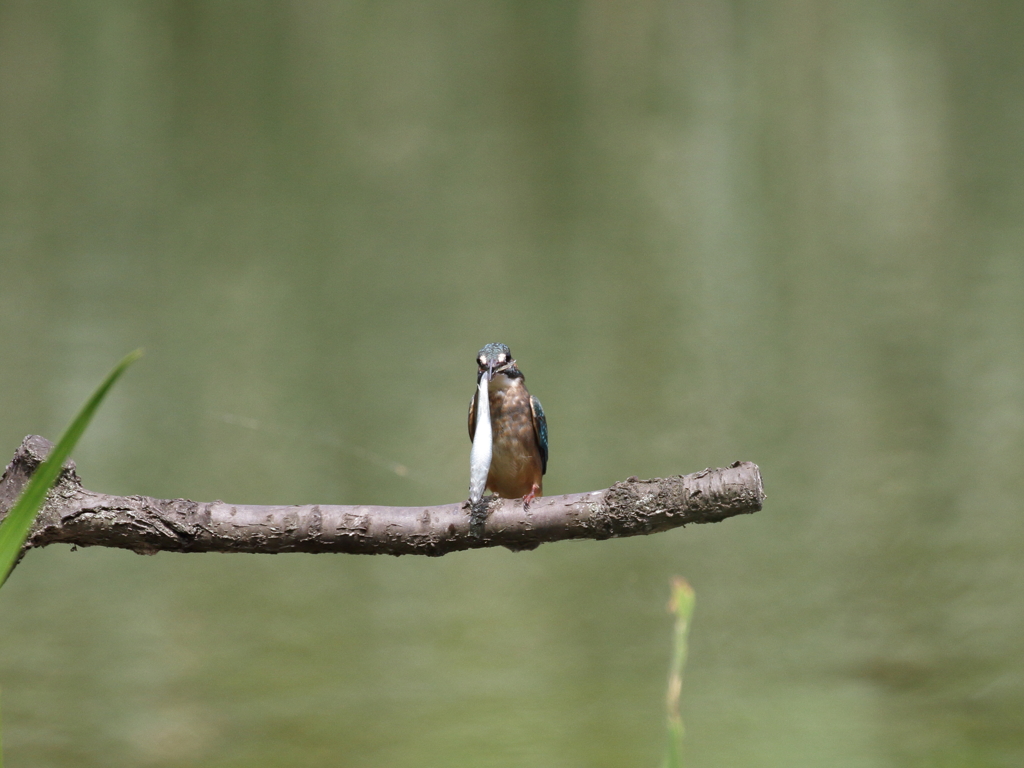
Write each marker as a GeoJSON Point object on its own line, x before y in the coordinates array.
{"type": "Point", "coordinates": [511, 447]}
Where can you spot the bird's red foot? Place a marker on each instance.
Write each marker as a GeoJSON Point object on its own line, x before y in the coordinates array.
{"type": "Point", "coordinates": [534, 492]}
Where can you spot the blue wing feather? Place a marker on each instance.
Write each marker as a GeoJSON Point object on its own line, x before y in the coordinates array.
{"type": "Point", "coordinates": [540, 426]}
{"type": "Point", "coordinates": [472, 416]}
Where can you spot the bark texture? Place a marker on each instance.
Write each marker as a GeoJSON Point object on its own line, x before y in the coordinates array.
{"type": "Point", "coordinates": [74, 515]}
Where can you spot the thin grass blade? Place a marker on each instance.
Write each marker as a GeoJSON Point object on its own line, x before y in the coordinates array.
{"type": "Point", "coordinates": [15, 527]}
{"type": "Point", "coordinates": [681, 604]}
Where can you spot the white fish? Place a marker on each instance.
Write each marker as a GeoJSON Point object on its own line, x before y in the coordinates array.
{"type": "Point", "coordinates": [480, 456]}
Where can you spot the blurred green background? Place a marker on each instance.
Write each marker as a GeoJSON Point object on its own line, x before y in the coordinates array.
{"type": "Point", "coordinates": [784, 232]}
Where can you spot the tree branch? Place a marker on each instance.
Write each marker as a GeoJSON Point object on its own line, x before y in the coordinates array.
{"type": "Point", "coordinates": [74, 515]}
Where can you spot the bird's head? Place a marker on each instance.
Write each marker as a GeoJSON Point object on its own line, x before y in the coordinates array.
{"type": "Point", "coordinates": [494, 359]}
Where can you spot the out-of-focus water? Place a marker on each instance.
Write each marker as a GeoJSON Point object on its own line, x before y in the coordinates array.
{"type": "Point", "coordinates": [786, 233]}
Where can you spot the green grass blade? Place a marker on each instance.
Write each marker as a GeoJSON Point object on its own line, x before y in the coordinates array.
{"type": "Point", "coordinates": [681, 604]}
{"type": "Point", "coordinates": [15, 527]}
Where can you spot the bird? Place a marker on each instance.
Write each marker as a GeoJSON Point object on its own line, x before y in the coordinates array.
{"type": "Point", "coordinates": [518, 457]}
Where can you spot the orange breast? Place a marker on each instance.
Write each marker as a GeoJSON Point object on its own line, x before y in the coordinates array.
{"type": "Point", "coordinates": [515, 464]}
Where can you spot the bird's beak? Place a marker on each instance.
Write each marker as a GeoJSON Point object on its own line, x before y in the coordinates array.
{"type": "Point", "coordinates": [486, 373]}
